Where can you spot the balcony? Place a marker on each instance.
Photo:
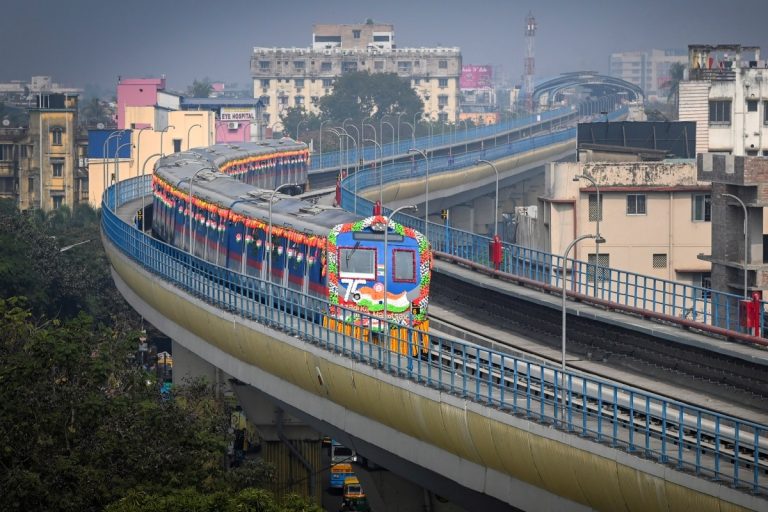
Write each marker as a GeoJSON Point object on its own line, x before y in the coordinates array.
{"type": "Point", "coordinates": [713, 75]}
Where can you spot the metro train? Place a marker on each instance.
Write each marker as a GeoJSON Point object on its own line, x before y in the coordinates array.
{"type": "Point", "coordinates": [322, 251]}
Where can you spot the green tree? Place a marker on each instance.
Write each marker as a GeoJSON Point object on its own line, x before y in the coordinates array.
{"type": "Point", "coordinates": [298, 123]}
{"type": "Point", "coordinates": [58, 284]}
{"type": "Point", "coordinates": [360, 95]}
{"type": "Point", "coordinates": [676, 73]}
{"type": "Point", "coordinates": [94, 111]}
{"type": "Point", "coordinates": [200, 88]}
{"type": "Point", "coordinates": [82, 427]}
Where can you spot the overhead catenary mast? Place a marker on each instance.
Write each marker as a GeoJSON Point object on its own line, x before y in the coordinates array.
{"type": "Point", "coordinates": [529, 63]}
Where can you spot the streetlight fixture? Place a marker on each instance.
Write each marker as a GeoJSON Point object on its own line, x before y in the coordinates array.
{"type": "Point", "coordinates": [298, 127]}
{"type": "Point", "coordinates": [598, 277]}
{"type": "Point", "coordinates": [381, 170]}
{"type": "Point", "coordinates": [426, 193]}
{"type": "Point", "coordinates": [746, 239]}
{"type": "Point", "coordinates": [387, 258]}
{"type": "Point", "coordinates": [190, 130]}
{"type": "Point", "coordinates": [563, 267]}
{"type": "Point", "coordinates": [269, 233]}
{"type": "Point", "coordinates": [496, 208]}
{"type": "Point", "coordinates": [143, 168]}
{"type": "Point", "coordinates": [161, 136]}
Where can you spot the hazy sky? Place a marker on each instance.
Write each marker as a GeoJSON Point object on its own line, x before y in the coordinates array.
{"type": "Point", "coordinates": [82, 42]}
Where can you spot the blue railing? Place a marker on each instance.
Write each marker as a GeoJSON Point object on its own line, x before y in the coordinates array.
{"type": "Point", "coordinates": [707, 443]}
{"type": "Point", "coordinates": [659, 296]}
{"type": "Point", "coordinates": [370, 152]}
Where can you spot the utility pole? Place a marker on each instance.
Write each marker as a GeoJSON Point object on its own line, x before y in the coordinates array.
{"type": "Point", "coordinates": [529, 64]}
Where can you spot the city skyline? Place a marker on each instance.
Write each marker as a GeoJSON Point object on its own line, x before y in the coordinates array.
{"type": "Point", "coordinates": [190, 40]}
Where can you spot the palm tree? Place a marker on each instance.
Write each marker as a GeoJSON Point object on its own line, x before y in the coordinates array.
{"type": "Point", "coordinates": [676, 72]}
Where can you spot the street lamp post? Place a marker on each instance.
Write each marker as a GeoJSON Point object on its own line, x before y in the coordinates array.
{"type": "Point", "coordinates": [269, 233]}
{"type": "Point", "coordinates": [426, 193]}
{"type": "Point", "coordinates": [272, 127]}
{"type": "Point", "coordinates": [496, 207]}
{"type": "Point", "coordinates": [117, 172]}
{"type": "Point", "coordinates": [189, 205]}
{"type": "Point", "coordinates": [105, 159]}
{"type": "Point", "coordinates": [393, 140]}
{"type": "Point", "coordinates": [138, 145]}
{"type": "Point", "coordinates": [598, 277]}
{"type": "Point", "coordinates": [338, 134]}
{"type": "Point", "coordinates": [190, 131]}
{"type": "Point", "coordinates": [161, 136]}
{"type": "Point", "coordinates": [344, 132]}
{"type": "Point", "coordinates": [356, 138]}
{"type": "Point", "coordinates": [143, 168]}
{"type": "Point", "coordinates": [746, 239]}
{"type": "Point", "coordinates": [321, 140]}
{"type": "Point", "coordinates": [381, 171]}
{"type": "Point", "coordinates": [398, 129]}
{"type": "Point", "coordinates": [562, 360]}
{"type": "Point", "coordinates": [298, 127]}
{"type": "Point", "coordinates": [413, 132]}
{"type": "Point", "coordinates": [387, 258]}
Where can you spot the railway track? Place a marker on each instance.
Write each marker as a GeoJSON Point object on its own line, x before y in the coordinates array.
{"type": "Point", "coordinates": [630, 352]}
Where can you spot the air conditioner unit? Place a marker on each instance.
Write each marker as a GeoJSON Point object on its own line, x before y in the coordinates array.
{"type": "Point", "coordinates": [233, 125]}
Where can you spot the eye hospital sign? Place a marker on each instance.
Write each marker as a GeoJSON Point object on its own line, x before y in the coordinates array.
{"type": "Point", "coordinates": [237, 114]}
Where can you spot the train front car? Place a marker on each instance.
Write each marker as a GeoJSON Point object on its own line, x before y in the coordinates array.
{"type": "Point", "coordinates": [361, 270]}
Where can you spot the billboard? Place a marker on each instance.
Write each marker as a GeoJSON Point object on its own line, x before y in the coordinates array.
{"type": "Point", "coordinates": [476, 76]}
{"type": "Point", "coordinates": [237, 114]}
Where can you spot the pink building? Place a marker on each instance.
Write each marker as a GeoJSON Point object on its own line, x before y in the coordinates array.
{"type": "Point", "coordinates": [237, 119]}
{"type": "Point", "coordinates": [137, 92]}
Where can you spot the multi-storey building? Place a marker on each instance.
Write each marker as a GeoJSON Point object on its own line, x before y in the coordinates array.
{"type": "Point", "coordinates": [655, 217]}
{"type": "Point", "coordinates": [41, 165]}
{"type": "Point", "coordinates": [19, 93]}
{"type": "Point", "coordinates": [649, 70]}
{"type": "Point", "coordinates": [151, 122]}
{"type": "Point", "coordinates": [726, 94]}
{"type": "Point", "coordinates": [299, 77]}
{"type": "Point", "coordinates": [739, 187]}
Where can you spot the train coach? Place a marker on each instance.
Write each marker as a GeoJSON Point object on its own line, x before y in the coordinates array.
{"type": "Point", "coordinates": [321, 251]}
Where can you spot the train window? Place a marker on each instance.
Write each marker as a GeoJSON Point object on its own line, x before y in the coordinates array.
{"type": "Point", "coordinates": [404, 263]}
{"type": "Point", "coordinates": [357, 263]}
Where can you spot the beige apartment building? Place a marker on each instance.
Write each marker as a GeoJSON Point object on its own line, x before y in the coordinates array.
{"type": "Point", "coordinates": [655, 216]}
{"type": "Point", "coordinates": [42, 165]}
{"type": "Point", "coordinates": [299, 77]}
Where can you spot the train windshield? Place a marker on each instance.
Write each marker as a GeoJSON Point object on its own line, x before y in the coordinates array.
{"type": "Point", "coordinates": [405, 266]}
{"type": "Point", "coordinates": [357, 262]}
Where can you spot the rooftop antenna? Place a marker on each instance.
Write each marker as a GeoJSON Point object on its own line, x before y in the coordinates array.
{"type": "Point", "coordinates": [529, 63]}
